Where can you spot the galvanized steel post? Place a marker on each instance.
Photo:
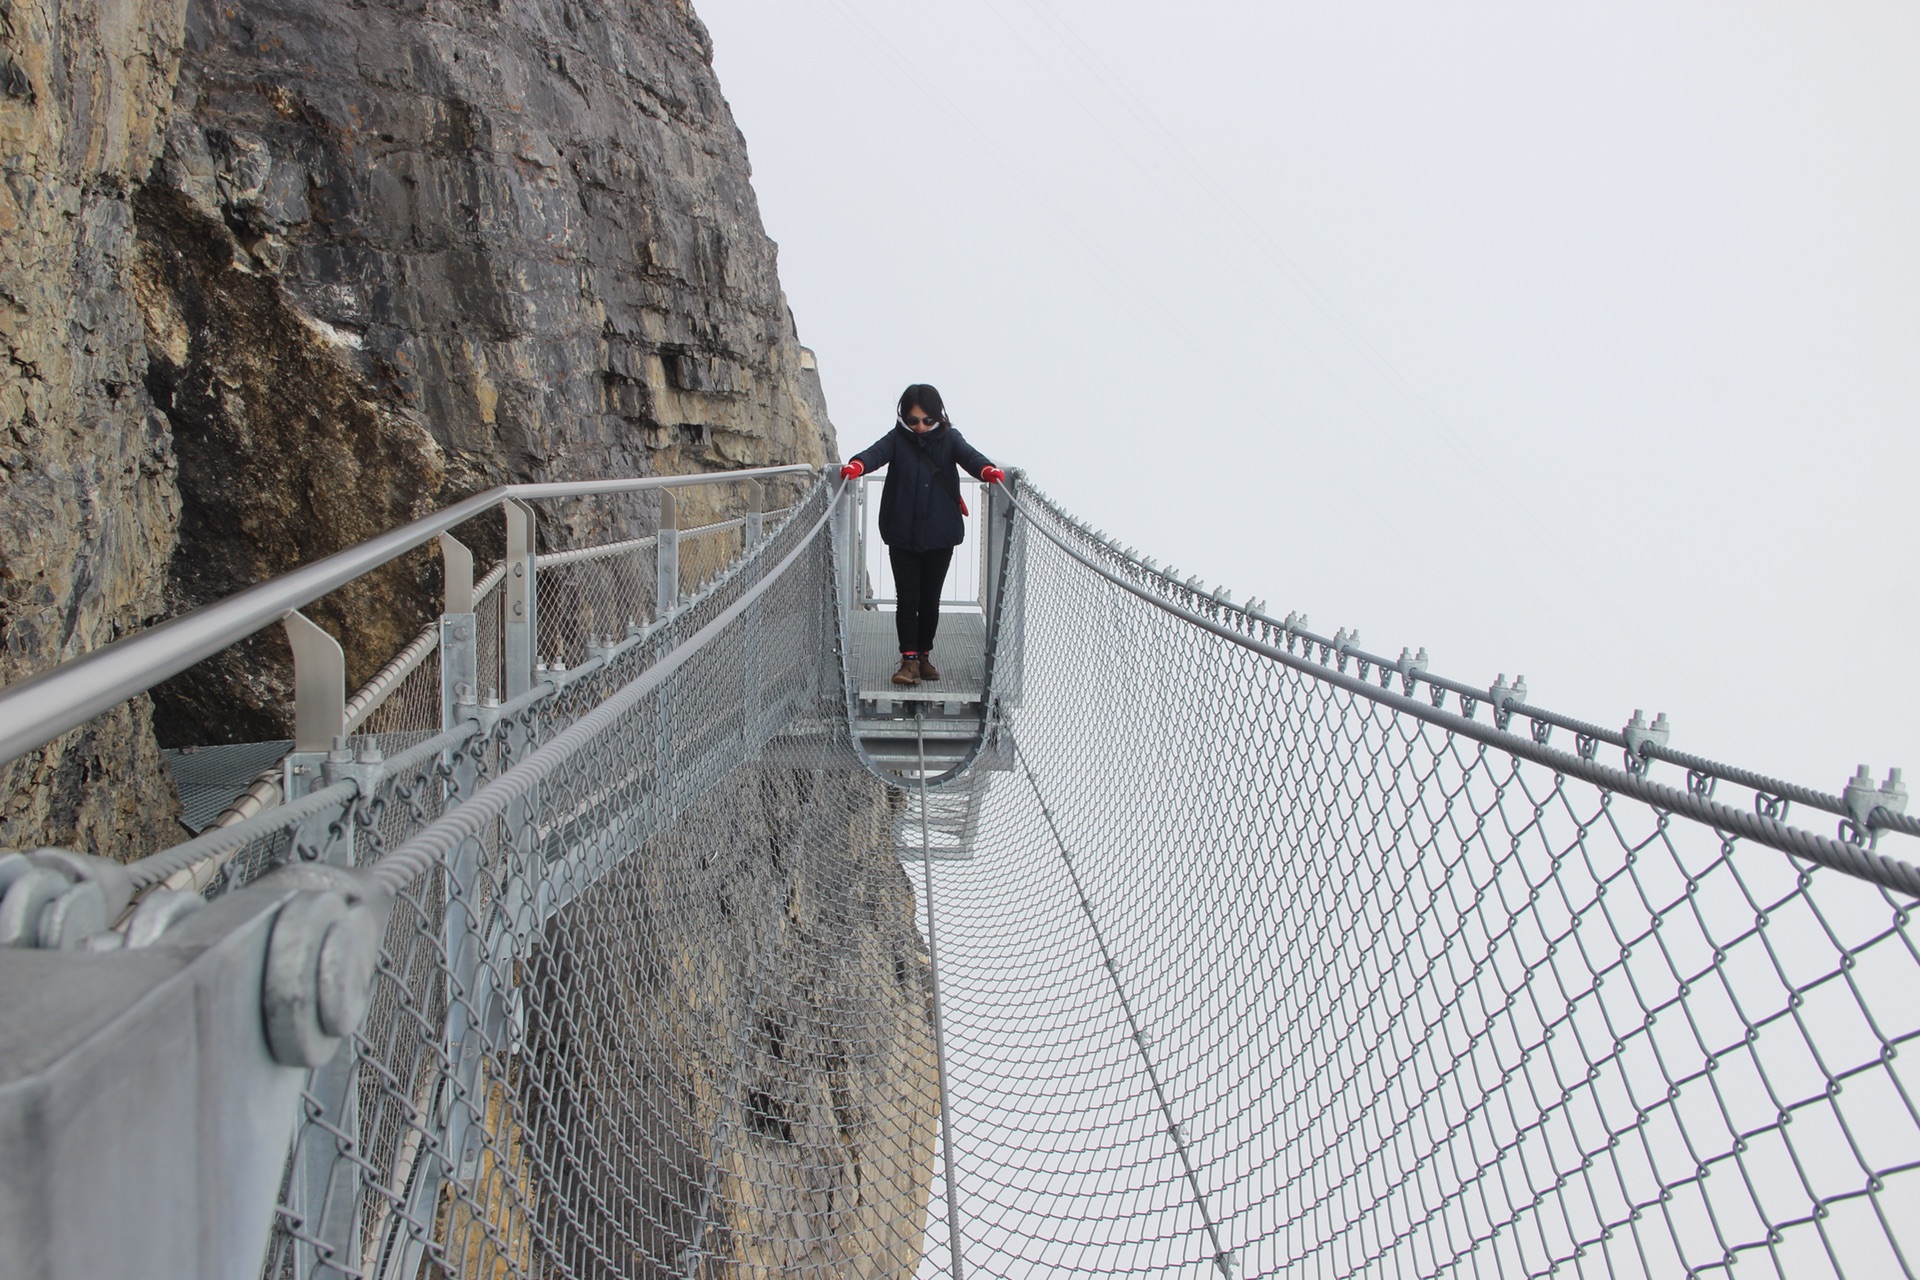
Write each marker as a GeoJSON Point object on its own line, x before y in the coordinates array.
{"type": "Point", "coordinates": [667, 557]}
{"type": "Point", "coordinates": [756, 513]}
{"type": "Point", "coordinates": [520, 633]}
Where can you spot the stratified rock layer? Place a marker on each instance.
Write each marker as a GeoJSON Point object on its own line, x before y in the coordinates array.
{"type": "Point", "coordinates": [401, 252]}
{"type": "Point", "coordinates": [389, 254]}
{"type": "Point", "coordinates": [88, 507]}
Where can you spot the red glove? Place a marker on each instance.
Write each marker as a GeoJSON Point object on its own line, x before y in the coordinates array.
{"type": "Point", "coordinates": [853, 470]}
{"type": "Point", "coordinates": [992, 475]}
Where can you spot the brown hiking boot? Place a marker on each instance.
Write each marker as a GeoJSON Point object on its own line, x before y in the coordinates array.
{"type": "Point", "coordinates": [927, 670]}
{"type": "Point", "coordinates": [909, 672]}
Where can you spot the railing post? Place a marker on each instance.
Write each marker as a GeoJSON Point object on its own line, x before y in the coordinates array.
{"type": "Point", "coordinates": [849, 524]}
{"type": "Point", "coordinates": [319, 729]}
{"type": "Point", "coordinates": [756, 513]}
{"type": "Point", "coordinates": [519, 632]}
{"type": "Point", "coordinates": [667, 557]}
{"type": "Point", "coordinates": [325, 1189]}
{"type": "Point", "coordinates": [459, 635]}
{"type": "Point", "coordinates": [993, 505]}
{"type": "Point", "coordinates": [857, 533]}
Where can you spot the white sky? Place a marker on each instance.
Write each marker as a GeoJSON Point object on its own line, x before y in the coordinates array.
{"type": "Point", "coordinates": [1582, 342]}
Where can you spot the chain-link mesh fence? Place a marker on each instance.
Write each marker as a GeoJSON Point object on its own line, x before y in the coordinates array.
{"type": "Point", "coordinates": [1252, 972]}
{"type": "Point", "coordinates": [1247, 964]}
{"type": "Point", "coordinates": [651, 1001]}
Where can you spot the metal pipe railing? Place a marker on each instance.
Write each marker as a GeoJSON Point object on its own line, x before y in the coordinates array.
{"type": "Point", "coordinates": [36, 711]}
{"type": "Point", "coordinates": [966, 576]}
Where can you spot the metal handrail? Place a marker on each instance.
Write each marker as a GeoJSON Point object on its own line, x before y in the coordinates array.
{"type": "Point", "coordinates": [36, 711]}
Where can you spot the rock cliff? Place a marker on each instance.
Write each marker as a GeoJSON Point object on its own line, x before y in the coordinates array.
{"type": "Point", "coordinates": [276, 276]}
{"type": "Point", "coordinates": [89, 508]}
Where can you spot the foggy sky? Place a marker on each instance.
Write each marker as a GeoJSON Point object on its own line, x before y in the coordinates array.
{"type": "Point", "coordinates": [1573, 342]}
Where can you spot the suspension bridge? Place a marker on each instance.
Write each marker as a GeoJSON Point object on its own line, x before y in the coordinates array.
{"type": "Point", "coordinates": [627, 924]}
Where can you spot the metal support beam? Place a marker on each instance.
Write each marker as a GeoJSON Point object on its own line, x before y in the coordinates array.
{"type": "Point", "coordinates": [519, 631]}
{"type": "Point", "coordinates": [667, 557]}
{"type": "Point", "coordinates": [756, 513]}
{"type": "Point", "coordinates": [459, 667]}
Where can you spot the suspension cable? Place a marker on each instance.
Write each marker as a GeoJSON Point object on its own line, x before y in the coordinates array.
{"type": "Point", "coordinates": [939, 1032]}
{"type": "Point", "coordinates": [1176, 1132]}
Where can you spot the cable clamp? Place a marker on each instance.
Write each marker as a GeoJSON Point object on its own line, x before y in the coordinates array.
{"type": "Point", "coordinates": [1343, 642]}
{"type": "Point", "coordinates": [1862, 798]}
{"type": "Point", "coordinates": [1503, 693]}
{"type": "Point", "coordinates": [1640, 735]}
{"type": "Point", "coordinates": [1411, 663]}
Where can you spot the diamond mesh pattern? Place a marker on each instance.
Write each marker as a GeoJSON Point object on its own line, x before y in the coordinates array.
{"type": "Point", "coordinates": [1244, 967]}
{"type": "Point", "coordinates": [1251, 974]}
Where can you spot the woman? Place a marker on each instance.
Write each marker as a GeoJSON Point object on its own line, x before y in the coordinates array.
{"type": "Point", "coordinates": [920, 516]}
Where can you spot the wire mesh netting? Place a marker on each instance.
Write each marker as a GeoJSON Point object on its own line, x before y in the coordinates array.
{"type": "Point", "coordinates": [1242, 966]}
{"type": "Point", "coordinates": [1251, 974]}
{"type": "Point", "coordinates": [661, 1010]}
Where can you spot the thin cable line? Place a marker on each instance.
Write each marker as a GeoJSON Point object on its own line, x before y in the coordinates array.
{"type": "Point", "coordinates": [1176, 1133]}
{"type": "Point", "coordinates": [939, 1030]}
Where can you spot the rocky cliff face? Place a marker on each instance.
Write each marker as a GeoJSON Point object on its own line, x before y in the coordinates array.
{"type": "Point", "coordinates": [279, 275]}
{"type": "Point", "coordinates": [88, 505]}
{"type": "Point", "coordinates": [275, 276]}
{"type": "Point", "coordinates": [398, 252]}
{"type": "Point", "coordinates": [772, 1111]}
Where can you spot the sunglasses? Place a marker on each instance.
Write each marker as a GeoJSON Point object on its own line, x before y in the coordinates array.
{"type": "Point", "coordinates": [914, 422]}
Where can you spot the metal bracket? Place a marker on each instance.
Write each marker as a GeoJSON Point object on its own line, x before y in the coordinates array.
{"type": "Point", "coordinates": [666, 557]}
{"type": "Point", "coordinates": [520, 630]}
{"type": "Point", "coordinates": [756, 512]}
{"type": "Point", "coordinates": [319, 685]}
{"type": "Point", "coordinates": [457, 561]}
{"type": "Point", "coordinates": [1639, 734]}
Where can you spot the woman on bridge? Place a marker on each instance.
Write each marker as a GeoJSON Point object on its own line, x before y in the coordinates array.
{"type": "Point", "coordinates": [921, 516]}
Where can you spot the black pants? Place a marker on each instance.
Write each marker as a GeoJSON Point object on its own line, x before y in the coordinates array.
{"type": "Point", "coordinates": [918, 577]}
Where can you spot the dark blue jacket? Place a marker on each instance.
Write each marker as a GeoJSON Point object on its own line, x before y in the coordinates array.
{"type": "Point", "coordinates": [920, 507]}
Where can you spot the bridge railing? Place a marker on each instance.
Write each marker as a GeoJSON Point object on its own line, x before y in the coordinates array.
{"type": "Point", "coordinates": [601, 582]}
{"type": "Point", "coordinates": [401, 968]}
{"type": "Point", "coordinates": [968, 580]}
{"type": "Point", "coordinates": [1273, 962]}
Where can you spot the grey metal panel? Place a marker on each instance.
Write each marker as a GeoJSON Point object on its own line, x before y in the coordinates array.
{"type": "Point", "coordinates": [211, 778]}
{"type": "Point", "coordinates": [144, 1123]}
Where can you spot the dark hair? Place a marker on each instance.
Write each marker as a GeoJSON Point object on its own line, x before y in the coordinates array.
{"type": "Point", "coordinates": [924, 398]}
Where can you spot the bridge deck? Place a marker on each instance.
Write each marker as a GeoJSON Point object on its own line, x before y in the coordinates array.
{"type": "Point", "coordinates": [948, 709]}
{"type": "Point", "coordinates": [960, 649]}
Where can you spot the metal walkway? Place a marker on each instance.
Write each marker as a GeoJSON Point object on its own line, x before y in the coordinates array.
{"type": "Point", "coordinates": [577, 942]}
